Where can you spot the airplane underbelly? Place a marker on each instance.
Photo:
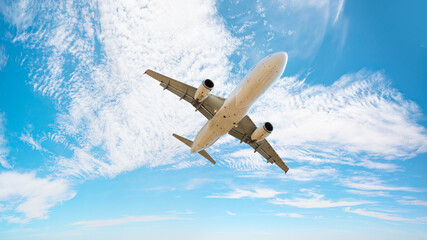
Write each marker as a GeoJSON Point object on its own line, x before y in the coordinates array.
{"type": "Point", "coordinates": [228, 116]}
{"type": "Point", "coordinates": [253, 88]}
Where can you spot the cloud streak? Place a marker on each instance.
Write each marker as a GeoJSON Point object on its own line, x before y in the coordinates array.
{"type": "Point", "coordinates": [230, 213]}
{"type": "Point", "coordinates": [316, 201]}
{"type": "Point", "coordinates": [255, 193]}
{"type": "Point", "coordinates": [28, 138]}
{"type": "Point", "coordinates": [4, 150]}
{"type": "Point", "coordinates": [291, 215]}
{"type": "Point", "coordinates": [380, 215]}
{"type": "Point", "coordinates": [374, 184]}
{"type": "Point", "coordinates": [125, 220]}
{"type": "Point", "coordinates": [3, 57]}
{"type": "Point", "coordinates": [414, 202]}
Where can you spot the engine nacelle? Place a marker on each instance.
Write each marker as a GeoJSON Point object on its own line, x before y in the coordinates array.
{"type": "Point", "coordinates": [204, 89]}
{"type": "Point", "coordinates": [262, 132]}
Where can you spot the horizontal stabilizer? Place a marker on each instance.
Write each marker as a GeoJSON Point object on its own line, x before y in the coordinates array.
{"type": "Point", "coordinates": [190, 143]}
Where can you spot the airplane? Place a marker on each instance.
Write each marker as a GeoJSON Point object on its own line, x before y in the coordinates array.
{"type": "Point", "coordinates": [229, 115]}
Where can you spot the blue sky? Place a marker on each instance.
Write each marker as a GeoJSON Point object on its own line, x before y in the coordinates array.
{"type": "Point", "coordinates": [86, 146]}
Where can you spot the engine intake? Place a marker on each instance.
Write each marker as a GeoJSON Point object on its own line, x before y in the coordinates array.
{"type": "Point", "coordinates": [204, 90]}
{"type": "Point", "coordinates": [262, 132]}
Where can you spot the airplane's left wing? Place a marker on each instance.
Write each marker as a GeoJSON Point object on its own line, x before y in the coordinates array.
{"type": "Point", "coordinates": [243, 132]}
{"type": "Point", "coordinates": [208, 107]}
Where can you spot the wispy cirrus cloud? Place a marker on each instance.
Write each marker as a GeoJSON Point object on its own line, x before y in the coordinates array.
{"type": "Point", "coordinates": [340, 8]}
{"type": "Point", "coordinates": [3, 57]}
{"type": "Point", "coordinates": [384, 216]}
{"type": "Point", "coordinates": [230, 213]}
{"type": "Point", "coordinates": [413, 202]}
{"type": "Point", "coordinates": [372, 183]}
{"type": "Point", "coordinates": [244, 193]}
{"type": "Point", "coordinates": [389, 167]}
{"type": "Point", "coordinates": [369, 193]}
{"type": "Point", "coordinates": [305, 173]}
{"type": "Point", "coordinates": [124, 220]}
{"type": "Point", "coordinates": [26, 196]}
{"type": "Point", "coordinates": [315, 201]}
{"type": "Point", "coordinates": [29, 139]}
{"type": "Point", "coordinates": [291, 215]}
{"type": "Point", "coordinates": [4, 150]}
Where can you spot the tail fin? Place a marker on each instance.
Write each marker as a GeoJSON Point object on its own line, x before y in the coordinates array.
{"type": "Point", "coordinates": [190, 143]}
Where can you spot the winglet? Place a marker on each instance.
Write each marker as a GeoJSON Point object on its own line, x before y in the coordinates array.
{"type": "Point", "coordinates": [190, 143]}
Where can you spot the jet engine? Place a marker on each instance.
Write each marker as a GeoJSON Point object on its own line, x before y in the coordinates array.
{"type": "Point", "coordinates": [204, 89]}
{"type": "Point", "coordinates": [262, 132]}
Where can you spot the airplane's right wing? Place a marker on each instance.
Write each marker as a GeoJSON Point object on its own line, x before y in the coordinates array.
{"type": "Point", "coordinates": [208, 107]}
{"type": "Point", "coordinates": [244, 131]}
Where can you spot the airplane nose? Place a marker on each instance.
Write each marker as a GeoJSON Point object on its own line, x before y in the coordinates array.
{"type": "Point", "coordinates": [279, 61]}
{"type": "Point", "coordinates": [281, 58]}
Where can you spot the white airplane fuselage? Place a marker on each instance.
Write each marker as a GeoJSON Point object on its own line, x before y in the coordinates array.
{"type": "Point", "coordinates": [240, 100]}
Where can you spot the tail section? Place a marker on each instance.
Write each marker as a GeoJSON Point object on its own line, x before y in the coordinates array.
{"type": "Point", "coordinates": [190, 143]}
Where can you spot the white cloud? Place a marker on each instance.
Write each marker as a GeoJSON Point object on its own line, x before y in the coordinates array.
{"type": "Point", "coordinates": [124, 220]}
{"type": "Point", "coordinates": [373, 183]}
{"type": "Point", "coordinates": [187, 164]}
{"type": "Point", "coordinates": [414, 202]}
{"type": "Point", "coordinates": [340, 8]}
{"type": "Point", "coordinates": [24, 193]}
{"type": "Point", "coordinates": [241, 159]}
{"type": "Point", "coordinates": [315, 201]}
{"type": "Point", "coordinates": [34, 143]}
{"type": "Point", "coordinates": [380, 215]}
{"type": "Point", "coordinates": [230, 213]}
{"type": "Point", "coordinates": [292, 215]}
{"type": "Point", "coordinates": [390, 167]}
{"type": "Point", "coordinates": [175, 212]}
{"type": "Point", "coordinates": [311, 173]}
{"type": "Point", "coordinates": [15, 12]}
{"type": "Point", "coordinates": [4, 150]}
{"type": "Point", "coordinates": [255, 193]}
{"type": "Point", "coordinates": [306, 173]}
{"type": "Point", "coordinates": [3, 57]}
{"type": "Point", "coordinates": [369, 193]}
